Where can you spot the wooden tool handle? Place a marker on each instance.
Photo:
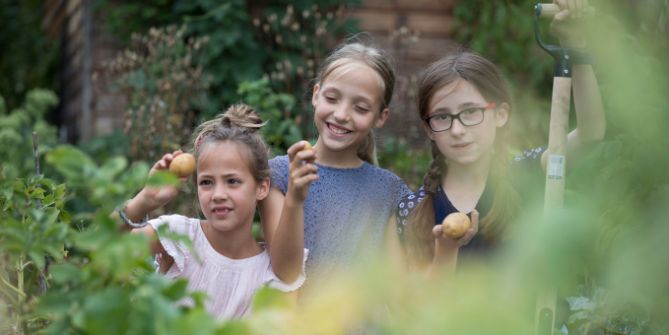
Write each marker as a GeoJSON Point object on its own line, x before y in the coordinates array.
{"type": "Point", "coordinates": [547, 10]}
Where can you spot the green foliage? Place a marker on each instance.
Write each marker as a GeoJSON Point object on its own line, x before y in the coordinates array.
{"type": "Point", "coordinates": [29, 58]}
{"type": "Point", "coordinates": [232, 54]}
{"type": "Point", "coordinates": [245, 41]}
{"type": "Point", "coordinates": [487, 27]}
{"type": "Point", "coordinates": [297, 37]}
{"type": "Point", "coordinates": [92, 185]}
{"type": "Point", "coordinates": [127, 18]}
{"type": "Point", "coordinates": [276, 109]}
{"type": "Point", "coordinates": [411, 164]}
{"type": "Point", "coordinates": [16, 127]}
{"type": "Point", "coordinates": [606, 251]}
{"type": "Point", "coordinates": [35, 229]}
{"type": "Point", "coordinates": [164, 87]}
{"type": "Point", "coordinates": [105, 147]}
{"type": "Point", "coordinates": [99, 280]}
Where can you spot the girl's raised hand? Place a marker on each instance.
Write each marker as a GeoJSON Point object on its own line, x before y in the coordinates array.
{"type": "Point", "coordinates": [567, 24]}
{"type": "Point", "coordinates": [155, 197]}
{"type": "Point", "coordinates": [446, 245]}
{"type": "Point", "coordinates": [302, 170]}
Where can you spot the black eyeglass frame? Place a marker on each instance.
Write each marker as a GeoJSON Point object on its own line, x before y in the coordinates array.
{"type": "Point", "coordinates": [456, 116]}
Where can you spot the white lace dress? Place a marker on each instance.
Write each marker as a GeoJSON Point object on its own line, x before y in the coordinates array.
{"type": "Point", "coordinates": [228, 283]}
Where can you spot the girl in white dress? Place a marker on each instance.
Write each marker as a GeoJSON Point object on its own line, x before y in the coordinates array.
{"type": "Point", "coordinates": [232, 175]}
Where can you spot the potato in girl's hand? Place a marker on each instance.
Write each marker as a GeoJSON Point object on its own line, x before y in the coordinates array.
{"type": "Point", "coordinates": [183, 165]}
{"type": "Point", "coordinates": [455, 225]}
{"type": "Point", "coordinates": [307, 146]}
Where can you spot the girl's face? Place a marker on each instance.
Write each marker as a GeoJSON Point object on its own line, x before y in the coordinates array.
{"type": "Point", "coordinates": [226, 189]}
{"type": "Point", "coordinates": [347, 105]}
{"type": "Point", "coordinates": [462, 144]}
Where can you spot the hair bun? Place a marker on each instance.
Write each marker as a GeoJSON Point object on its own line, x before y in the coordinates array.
{"type": "Point", "coordinates": [242, 116]}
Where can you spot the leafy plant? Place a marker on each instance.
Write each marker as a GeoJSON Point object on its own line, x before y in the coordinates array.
{"type": "Point", "coordinates": [276, 109]}
{"type": "Point", "coordinates": [29, 56]}
{"type": "Point", "coordinates": [396, 155]}
{"type": "Point", "coordinates": [65, 272]}
{"type": "Point", "coordinates": [242, 42]}
{"type": "Point", "coordinates": [16, 127]}
{"type": "Point", "coordinates": [34, 231]}
{"type": "Point", "coordinates": [297, 37]}
{"type": "Point", "coordinates": [165, 87]}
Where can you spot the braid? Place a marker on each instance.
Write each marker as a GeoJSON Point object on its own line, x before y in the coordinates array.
{"type": "Point", "coordinates": [420, 243]}
{"type": "Point", "coordinates": [437, 168]}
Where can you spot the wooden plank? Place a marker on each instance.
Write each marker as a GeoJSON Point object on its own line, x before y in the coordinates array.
{"type": "Point", "coordinates": [410, 5]}
{"type": "Point", "coordinates": [385, 22]}
{"type": "Point", "coordinates": [375, 21]}
{"type": "Point", "coordinates": [421, 51]}
{"type": "Point", "coordinates": [52, 21]}
{"type": "Point", "coordinates": [72, 6]}
{"type": "Point", "coordinates": [430, 24]}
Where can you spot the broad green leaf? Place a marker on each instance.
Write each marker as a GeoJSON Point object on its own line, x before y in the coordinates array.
{"type": "Point", "coordinates": [112, 167]}
{"type": "Point", "coordinates": [65, 272]}
{"type": "Point", "coordinates": [267, 297]}
{"type": "Point", "coordinates": [71, 162]}
{"type": "Point", "coordinates": [162, 178]}
{"type": "Point", "coordinates": [102, 307]}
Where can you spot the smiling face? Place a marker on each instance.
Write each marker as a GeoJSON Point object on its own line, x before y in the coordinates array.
{"type": "Point", "coordinates": [226, 189]}
{"type": "Point", "coordinates": [347, 105]}
{"type": "Point", "coordinates": [461, 144]}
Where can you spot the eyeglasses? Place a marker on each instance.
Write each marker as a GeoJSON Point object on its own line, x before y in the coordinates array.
{"type": "Point", "coordinates": [467, 117]}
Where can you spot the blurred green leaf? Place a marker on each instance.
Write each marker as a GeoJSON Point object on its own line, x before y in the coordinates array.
{"type": "Point", "coordinates": [162, 178]}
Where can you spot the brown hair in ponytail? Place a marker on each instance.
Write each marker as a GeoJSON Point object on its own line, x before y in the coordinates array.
{"type": "Point", "coordinates": [239, 124]}
{"type": "Point", "coordinates": [482, 74]}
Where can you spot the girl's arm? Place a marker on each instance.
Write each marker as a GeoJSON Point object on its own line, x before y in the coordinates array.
{"type": "Point", "coordinates": [446, 249]}
{"type": "Point", "coordinates": [590, 119]}
{"type": "Point", "coordinates": [286, 240]}
{"type": "Point", "coordinates": [569, 26]}
{"type": "Point", "coordinates": [149, 199]}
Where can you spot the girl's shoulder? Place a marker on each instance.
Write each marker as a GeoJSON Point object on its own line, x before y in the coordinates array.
{"type": "Point", "coordinates": [409, 201]}
{"type": "Point", "coordinates": [279, 172]}
{"type": "Point", "coordinates": [279, 162]}
{"type": "Point", "coordinates": [176, 223]}
{"type": "Point", "coordinates": [381, 172]}
{"type": "Point", "coordinates": [393, 182]}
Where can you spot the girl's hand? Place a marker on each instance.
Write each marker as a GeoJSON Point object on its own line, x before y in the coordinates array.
{"type": "Point", "coordinates": [444, 245]}
{"type": "Point", "coordinates": [302, 171]}
{"type": "Point", "coordinates": [155, 197]}
{"type": "Point", "coordinates": [567, 24]}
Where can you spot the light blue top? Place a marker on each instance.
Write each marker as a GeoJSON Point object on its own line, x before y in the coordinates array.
{"type": "Point", "coordinates": [345, 213]}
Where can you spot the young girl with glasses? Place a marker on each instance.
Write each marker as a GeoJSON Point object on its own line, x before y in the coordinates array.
{"type": "Point", "coordinates": [465, 107]}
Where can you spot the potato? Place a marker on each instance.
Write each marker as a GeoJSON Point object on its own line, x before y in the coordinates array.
{"type": "Point", "coordinates": [183, 165]}
{"type": "Point", "coordinates": [455, 225]}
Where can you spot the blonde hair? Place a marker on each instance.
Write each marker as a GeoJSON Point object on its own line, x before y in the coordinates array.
{"type": "Point", "coordinates": [239, 124]}
{"type": "Point", "coordinates": [482, 74]}
{"type": "Point", "coordinates": [377, 61]}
